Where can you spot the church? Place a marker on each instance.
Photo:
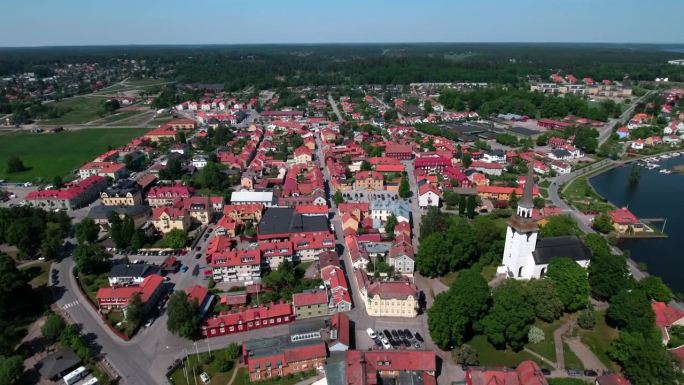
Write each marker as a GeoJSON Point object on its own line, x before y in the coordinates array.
{"type": "Point", "coordinates": [527, 257]}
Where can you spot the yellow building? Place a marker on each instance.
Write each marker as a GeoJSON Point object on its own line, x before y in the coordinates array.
{"type": "Point", "coordinates": [368, 180]}
{"type": "Point", "coordinates": [392, 299]}
{"type": "Point", "coordinates": [167, 218]}
{"type": "Point", "coordinates": [122, 194]}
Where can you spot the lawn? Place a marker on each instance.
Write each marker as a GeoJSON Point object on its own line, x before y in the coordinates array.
{"type": "Point", "coordinates": [599, 338]}
{"type": "Point", "coordinates": [547, 348]}
{"type": "Point", "coordinates": [216, 377]}
{"type": "Point", "coordinates": [490, 356]}
{"type": "Point", "coordinates": [38, 274]}
{"type": "Point", "coordinates": [159, 120]}
{"type": "Point", "coordinates": [118, 117]}
{"type": "Point", "coordinates": [571, 359]}
{"type": "Point", "coordinates": [581, 195]}
{"type": "Point", "coordinates": [49, 155]}
{"type": "Point", "coordinates": [92, 282]}
{"type": "Point", "coordinates": [449, 278]}
{"type": "Point", "coordinates": [83, 109]}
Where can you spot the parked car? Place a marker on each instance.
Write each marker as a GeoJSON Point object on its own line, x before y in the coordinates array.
{"type": "Point", "coordinates": [416, 345]}
{"type": "Point", "coordinates": [574, 373]}
{"type": "Point", "coordinates": [183, 269]}
{"type": "Point", "coordinates": [546, 372]}
{"type": "Point", "coordinates": [408, 334]}
{"type": "Point", "coordinates": [387, 333]}
{"type": "Point", "coordinates": [395, 334]}
{"type": "Point", "coordinates": [204, 377]}
{"type": "Point", "coordinates": [149, 322]}
{"type": "Point", "coordinates": [371, 333]}
{"type": "Point", "coordinates": [419, 337]}
{"type": "Point", "coordinates": [590, 373]}
{"type": "Point", "coordinates": [385, 343]}
{"type": "Point", "coordinates": [198, 255]}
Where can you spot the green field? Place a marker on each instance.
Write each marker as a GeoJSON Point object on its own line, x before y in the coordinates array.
{"type": "Point", "coordinates": [48, 155]}
{"type": "Point", "coordinates": [81, 110]}
{"type": "Point", "coordinates": [490, 356]}
{"type": "Point", "coordinates": [599, 339]}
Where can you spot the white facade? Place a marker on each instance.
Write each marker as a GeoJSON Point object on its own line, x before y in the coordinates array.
{"type": "Point", "coordinates": [429, 198]}
{"type": "Point", "coordinates": [249, 197]}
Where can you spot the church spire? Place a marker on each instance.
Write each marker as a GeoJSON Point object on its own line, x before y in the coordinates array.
{"type": "Point", "coordinates": [527, 201]}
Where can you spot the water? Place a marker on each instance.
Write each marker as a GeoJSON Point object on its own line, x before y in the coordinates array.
{"type": "Point", "coordinates": [656, 196]}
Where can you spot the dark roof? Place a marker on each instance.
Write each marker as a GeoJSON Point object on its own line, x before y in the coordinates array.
{"type": "Point", "coordinates": [523, 131]}
{"type": "Point", "coordinates": [559, 153]}
{"type": "Point", "coordinates": [527, 200]}
{"type": "Point", "coordinates": [58, 362]}
{"type": "Point", "coordinates": [131, 270]}
{"type": "Point", "coordinates": [123, 187]}
{"type": "Point", "coordinates": [280, 220]}
{"type": "Point", "coordinates": [103, 212]}
{"type": "Point", "coordinates": [567, 246]}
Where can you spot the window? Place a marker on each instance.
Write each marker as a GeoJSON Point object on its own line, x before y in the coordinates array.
{"type": "Point", "coordinates": [520, 271]}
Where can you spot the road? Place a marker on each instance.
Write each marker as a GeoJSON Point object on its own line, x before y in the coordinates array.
{"type": "Point", "coordinates": [608, 128]}
{"type": "Point", "coordinates": [336, 110]}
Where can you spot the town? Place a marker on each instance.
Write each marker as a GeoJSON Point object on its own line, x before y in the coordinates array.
{"type": "Point", "coordinates": [419, 233]}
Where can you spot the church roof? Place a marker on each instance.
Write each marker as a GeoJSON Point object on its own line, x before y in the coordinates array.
{"type": "Point", "coordinates": [526, 200]}
{"type": "Point", "coordinates": [567, 246]}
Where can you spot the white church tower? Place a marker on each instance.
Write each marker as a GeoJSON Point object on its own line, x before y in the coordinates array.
{"type": "Point", "coordinates": [521, 237]}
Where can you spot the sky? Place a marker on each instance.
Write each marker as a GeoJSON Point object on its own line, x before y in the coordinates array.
{"type": "Point", "coordinates": [121, 22]}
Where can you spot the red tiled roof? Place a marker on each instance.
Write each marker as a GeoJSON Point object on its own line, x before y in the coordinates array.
{"type": "Point", "coordinates": [392, 290]}
{"type": "Point", "coordinates": [311, 209]}
{"type": "Point", "coordinates": [304, 353]}
{"type": "Point", "coordinates": [198, 293]}
{"type": "Point", "coordinates": [235, 258]}
{"type": "Point", "coordinates": [70, 192]}
{"type": "Point", "coordinates": [665, 315]}
{"type": "Point", "coordinates": [485, 165]}
{"type": "Point", "coordinates": [310, 298]}
{"type": "Point", "coordinates": [623, 216]}
{"type": "Point", "coordinates": [611, 379]}
{"type": "Point", "coordinates": [148, 286]}
{"type": "Point", "coordinates": [390, 168]}
{"type": "Point", "coordinates": [251, 314]}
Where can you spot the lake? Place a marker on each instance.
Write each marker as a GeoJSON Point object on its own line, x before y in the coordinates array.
{"type": "Point", "coordinates": [655, 196]}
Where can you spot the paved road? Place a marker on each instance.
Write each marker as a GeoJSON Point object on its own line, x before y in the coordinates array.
{"type": "Point", "coordinates": [333, 104]}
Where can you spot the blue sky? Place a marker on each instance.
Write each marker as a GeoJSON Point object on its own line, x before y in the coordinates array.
{"type": "Point", "coordinates": [99, 22]}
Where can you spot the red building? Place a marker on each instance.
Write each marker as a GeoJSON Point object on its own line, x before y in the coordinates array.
{"type": "Point", "coordinates": [111, 298]}
{"type": "Point", "coordinates": [432, 163]}
{"type": "Point", "coordinates": [527, 373]}
{"type": "Point", "coordinates": [280, 356]}
{"type": "Point", "coordinates": [248, 319]}
{"type": "Point", "coordinates": [553, 124]}
{"type": "Point", "coordinates": [399, 151]}
{"type": "Point", "coordinates": [366, 368]}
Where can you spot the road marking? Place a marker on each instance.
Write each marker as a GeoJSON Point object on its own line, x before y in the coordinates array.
{"type": "Point", "coordinates": [70, 305]}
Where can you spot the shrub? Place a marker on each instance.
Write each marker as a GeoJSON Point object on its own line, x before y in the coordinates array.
{"type": "Point", "coordinates": [586, 319]}
{"type": "Point", "coordinates": [536, 335]}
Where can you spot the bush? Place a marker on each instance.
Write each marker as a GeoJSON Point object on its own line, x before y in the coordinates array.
{"type": "Point", "coordinates": [586, 319]}
{"type": "Point", "coordinates": [536, 335]}
{"type": "Point", "coordinates": [233, 351]}
{"type": "Point", "coordinates": [465, 355]}
{"type": "Point", "coordinates": [222, 364]}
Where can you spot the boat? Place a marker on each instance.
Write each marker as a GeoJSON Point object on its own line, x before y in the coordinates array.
{"type": "Point", "coordinates": [665, 171]}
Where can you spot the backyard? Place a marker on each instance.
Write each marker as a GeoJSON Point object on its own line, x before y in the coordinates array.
{"type": "Point", "coordinates": [48, 155]}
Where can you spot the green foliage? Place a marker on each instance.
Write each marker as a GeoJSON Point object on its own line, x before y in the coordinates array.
{"type": "Point", "coordinates": [338, 197]}
{"type": "Point", "coordinates": [602, 223]}
{"type": "Point", "coordinates": [175, 239]}
{"type": "Point", "coordinates": [183, 315]}
{"type": "Point", "coordinates": [87, 231]}
{"type": "Point", "coordinates": [465, 355]}
{"type": "Point", "coordinates": [390, 224]}
{"type": "Point", "coordinates": [15, 164]}
{"type": "Point", "coordinates": [544, 299]}
{"type": "Point", "coordinates": [14, 289]}
{"type": "Point", "coordinates": [586, 319]}
{"type": "Point", "coordinates": [404, 188]}
{"type": "Point", "coordinates": [630, 310]}
{"type": "Point", "coordinates": [471, 205]}
{"type": "Point", "coordinates": [644, 359]}
{"type": "Point", "coordinates": [536, 335]}
{"type": "Point", "coordinates": [27, 229]}
{"type": "Point", "coordinates": [507, 140]}
{"type": "Point", "coordinates": [11, 369]}
{"type": "Point", "coordinates": [173, 169]}
{"type": "Point", "coordinates": [655, 289]}
{"type": "Point", "coordinates": [233, 351]}
{"type": "Point", "coordinates": [559, 225]}
{"type": "Point", "coordinates": [608, 275]}
{"type": "Point", "coordinates": [90, 259]}
{"type": "Point", "coordinates": [451, 199]}
{"type": "Point", "coordinates": [434, 221]}
{"type": "Point", "coordinates": [571, 282]}
{"type": "Point", "coordinates": [121, 230]}
{"type": "Point", "coordinates": [510, 317]}
{"type": "Point", "coordinates": [455, 314]}
{"type": "Point", "coordinates": [135, 311]}
{"type": "Point", "coordinates": [53, 326]}
{"type": "Point", "coordinates": [211, 178]}
{"type": "Point", "coordinates": [72, 338]}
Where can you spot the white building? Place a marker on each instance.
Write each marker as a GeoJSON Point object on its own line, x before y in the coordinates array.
{"type": "Point", "coordinates": [428, 196]}
{"type": "Point", "coordinates": [526, 257]}
{"type": "Point", "coordinates": [250, 197]}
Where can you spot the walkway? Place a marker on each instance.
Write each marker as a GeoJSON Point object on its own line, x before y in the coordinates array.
{"type": "Point", "coordinates": [588, 358]}
{"type": "Point", "coordinates": [558, 342]}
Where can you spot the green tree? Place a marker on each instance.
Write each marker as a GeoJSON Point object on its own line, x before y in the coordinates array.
{"type": "Point", "coordinates": [135, 311]}
{"type": "Point", "coordinates": [472, 204]}
{"type": "Point", "coordinates": [14, 289]}
{"type": "Point", "coordinates": [15, 164]}
{"type": "Point", "coordinates": [539, 203]}
{"type": "Point", "coordinates": [559, 225]}
{"type": "Point", "coordinates": [465, 355]}
{"type": "Point", "coordinates": [434, 221]}
{"type": "Point", "coordinates": [451, 199]}
{"type": "Point", "coordinates": [404, 188]}
{"type": "Point", "coordinates": [11, 368]}
{"type": "Point", "coordinates": [52, 241]}
{"type": "Point", "coordinates": [338, 197]}
{"type": "Point", "coordinates": [211, 178]}
{"type": "Point", "coordinates": [630, 310]}
{"type": "Point", "coordinates": [175, 239]}
{"type": "Point", "coordinates": [180, 137]}
{"type": "Point", "coordinates": [571, 282]}
{"type": "Point", "coordinates": [466, 160]}
{"type": "Point", "coordinates": [543, 297]}
{"type": "Point", "coordinates": [655, 289]}
{"type": "Point", "coordinates": [427, 107]}
{"type": "Point", "coordinates": [608, 275]}
{"type": "Point", "coordinates": [53, 326]}
{"type": "Point", "coordinates": [586, 319]}
{"type": "Point", "coordinates": [57, 182]}
{"type": "Point", "coordinates": [390, 224]}
{"type": "Point", "coordinates": [121, 230]}
{"type": "Point", "coordinates": [366, 166]}
{"type": "Point", "coordinates": [602, 223]}
{"type": "Point", "coordinates": [431, 259]}
{"type": "Point", "coordinates": [87, 231]}
{"type": "Point", "coordinates": [510, 317]}
{"type": "Point", "coordinates": [513, 201]}
{"type": "Point", "coordinates": [462, 205]}
{"type": "Point", "coordinates": [183, 315]}
{"type": "Point", "coordinates": [644, 359]}
{"type": "Point", "coordinates": [173, 169]}
{"type": "Point", "coordinates": [90, 259]}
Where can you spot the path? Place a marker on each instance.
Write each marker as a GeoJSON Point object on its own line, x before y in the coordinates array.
{"type": "Point", "coordinates": [232, 378]}
{"type": "Point", "coordinates": [588, 358]}
{"type": "Point", "coordinates": [532, 352]}
{"type": "Point", "coordinates": [558, 342]}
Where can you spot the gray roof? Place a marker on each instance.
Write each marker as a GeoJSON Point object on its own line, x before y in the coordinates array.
{"type": "Point", "coordinates": [567, 246]}
{"type": "Point", "coordinates": [123, 187]}
{"type": "Point", "coordinates": [559, 153]}
{"type": "Point", "coordinates": [398, 208]}
{"type": "Point", "coordinates": [377, 248]}
{"type": "Point", "coordinates": [131, 270]}
{"type": "Point", "coordinates": [335, 369]}
{"type": "Point", "coordinates": [523, 131]}
{"type": "Point", "coordinates": [527, 200]}
{"type": "Point", "coordinates": [308, 326]}
{"type": "Point", "coordinates": [103, 212]}
{"type": "Point", "coordinates": [270, 346]}
{"type": "Point", "coordinates": [279, 220]}
{"type": "Point", "coordinates": [56, 363]}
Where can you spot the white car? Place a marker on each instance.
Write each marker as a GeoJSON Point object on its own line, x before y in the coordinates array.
{"type": "Point", "coordinates": [371, 333]}
{"type": "Point", "coordinates": [204, 377]}
{"type": "Point", "coordinates": [385, 343]}
{"type": "Point", "coordinates": [149, 323]}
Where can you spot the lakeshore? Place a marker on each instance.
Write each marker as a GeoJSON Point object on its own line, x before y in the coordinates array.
{"type": "Point", "coordinates": [655, 196]}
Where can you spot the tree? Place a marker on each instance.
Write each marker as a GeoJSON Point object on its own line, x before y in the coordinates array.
{"type": "Point", "coordinates": [183, 316]}
{"type": "Point", "coordinates": [121, 230]}
{"type": "Point", "coordinates": [338, 198]}
{"type": "Point", "coordinates": [87, 231]}
{"type": "Point", "coordinates": [644, 359]}
{"type": "Point", "coordinates": [10, 369]}
{"type": "Point", "coordinates": [57, 182]}
{"type": "Point", "coordinates": [233, 351]}
{"type": "Point", "coordinates": [390, 224]}
{"type": "Point", "coordinates": [536, 335]}
{"type": "Point", "coordinates": [539, 203]}
{"type": "Point", "coordinates": [175, 239]}
{"type": "Point", "coordinates": [431, 259]}
{"type": "Point", "coordinates": [173, 169]}
{"type": "Point", "coordinates": [15, 164]}
{"type": "Point", "coordinates": [466, 160]}
{"type": "Point", "coordinates": [404, 188]}
{"type": "Point", "coordinates": [462, 205]}
{"type": "Point", "coordinates": [602, 223]}
{"type": "Point", "coordinates": [211, 178]}
{"type": "Point", "coordinates": [571, 282]}
{"type": "Point", "coordinates": [472, 204]}
{"type": "Point", "coordinates": [52, 241]}
{"type": "Point", "coordinates": [135, 311]}
{"type": "Point", "coordinates": [586, 319]}
{"type": "Point", "coordinates": [655, 289]}
{"type": "Point", "coordinates": [465, 355]}
{"type": "Point", "coordinates": [366, 166]}
{"type": "Point", "coordinates": [559, 225]}
{"type": "Point", "coordinates": [544, 298]}
{"type": "Point", "coordinates": [13, 287]}
{"type": "Point", "coordinates": [631, 310]}
{"type": "Point", "coordinates": [433, 221]}
{"type": "Point", "coordinates": [90, 259]}
{"type": "Point", "coordinates": [180, 137]}
{"type": "Point", "coordinates": [510, 317]}
{"type": "Point", "coordinates": [608, 275]}
{"type": "Point", "coordinates": [451, 199]}
{"type": "Point", "coordinates": [53, 326]}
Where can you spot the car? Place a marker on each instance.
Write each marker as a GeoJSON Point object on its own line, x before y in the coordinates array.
{"type": "Point", "coordinates": [395, 334]}
{"type": "Point", "coordinates": [184, 269]}
{"type": "Point", "coordinates": [371, 333]}
{"type": "Point", "coordinates": [590, 373]}
{"type": "Point", "coordinates": [387, 333]}
{"type": "Point", "coordinates": [204, 377]}
{"type": "Point", "coordinates": [574, 373]}
{"type": "Point", "coordinates": [167, 278]}
{"type": "Point", "coordinates": [198, 248]}
{"type": "Point", "coordinates": [408, 334]}
{"type": "Point", "coordinates": [416, 344]}
{"type": "Point", "coordinates": [546, 371]}
{"type": "Point", "coordinates": [419, 337]}
{"type": "Point", "coordinates": [406, 342]}
{"type": "Point", "coordinates": [149, 322]}
{"type": "Point", "coordinates": [385, 343]}
{"type": "Point", "coordinates": [198, 255]}
{"type": "Point", "coordinates": [210, 230]}
{"type": "Point", "coordinates": [401, 333]}
{"type": "Point", "coordinates": [377, 342]}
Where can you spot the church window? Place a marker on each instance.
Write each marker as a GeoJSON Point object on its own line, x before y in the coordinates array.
{"type": "Point", "coordinates": [520, 270]}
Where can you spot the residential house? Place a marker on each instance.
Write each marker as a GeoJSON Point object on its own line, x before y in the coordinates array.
{"type": "Point", "coordinates": [383, 209]}
{"type": "Point", "coordinates": [310, 304]}
{"type": "Point", "coordinates": [112, 170]}
{"type": "Point", "coordinates": [72, 196]}
{"type": "Point", "coordinates": [275, 357]}
{"type": "Point", "coordinates": [666, 317]}
{"type": "Point", "coordinates": [302, 155]}
{"type": "Point", "coordinates": [386, 367]}
{"type": "Point", "coordinates": [399, 151]}
{"type": "Point", "coordinates": [130, 274]}
{"type": "Point", "coordinates": [428, 196]}
{"type": "Point", "coordinates": [167, 218]}
{"type": "Point", "coordinates": [611, 379]}
{"type": "Point", "coordinates": [624, 221]}
{"type": "Point", "coordinates": [527, 373]}
{"type": "Point", "coordinates": [124, 193]}
{"type": "Point", "coordinates": [487, 168]}
{"type": "Point", "coordinates": [266, 198]}
{"type": "Point", "coordinates": [118, 297]}
{"type": "Point", "coordinates": [247, 319]}
{"type": "Point", "coordinates": [392, 299]}
{"type": "Point", "coordinates": [494, 156]}
{"type": "Point", "coordinates": [401, 258]}
{"type": "Point", "coordinates": [167, 195]}
{"type": "Point", "coordinates": [335, 280]}
{"type": "Point", "coordinates": [236, 266]}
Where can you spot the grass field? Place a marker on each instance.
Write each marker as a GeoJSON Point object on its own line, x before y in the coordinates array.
{"type": "Point", "coordinates": [82, 110]}
{"type": "Point", "coordinates": [118, 117]}
{"type": "Point", "coordinates": [490, 356]}
{"type": "Point", "coordinates": [571, 359]}
{"type": "Point", "coordinates": [580, 195]}
{"type": "Point", "coordinates": [216, 377]}
{"type": "Point", "coordinates": [48, 155]}
{"type": "Point", "coordinates": [599, 338]}
{"type": "Point", "coordinates": [547, 348]}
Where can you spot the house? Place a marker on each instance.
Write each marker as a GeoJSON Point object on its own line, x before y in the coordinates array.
{"type": "Point", "coordinates": [72, 196]}
{"type": "Point", "coordinates": [199, 161]}
{"type": "Point", "coordinates": [540, 167]}
{"type": "Point", "coordinates": [167, 218]}
{"type": "Point", "coordinates": [487, 168]}
{"type": "Point", "coordinates": [622, 132]}
{"type": "Point", "coordinates": [310, 304]}
{"type": "Point", "coordinates": [334, 279]}
{"type": "Point", "coordinates": [624, 221]}
{"type": "Point", "coordinates": [281, 223]}
{"type": "Point", "coordinates": [666, 316]}
{"type": "Point", "coordinates": [266, 198]}
{"type": "Point", "coordinates": [167, 195]}
{"type": "Point", "coordinates": [431, 163]}
{"type": "Point", "coordinates": [248, 319]}
{"type": "Point", "coordinates": [106, 169]}
{"type": "Point", "coordinates": [236, 266]}
{"type": "Point", "coordinates": [672, 139]}
{"type": "Point", "coordinates": [553, 124]}
{"type": "Point", "coordinates": [399, 151]}
{"type": "Point", "coordinates": [368, 180]}
{"type": "Point", "coordinates": [358, 256]}
{"type": "Point", "coordinates": [401, 258]}
{"type": "Point", "coordinates": [382, 210]}
{"type": "Point", "coordinates": [428, 196]}
{"type": "Point", "coordinates": [200, 209]}
{"type": "Point", "coordinates": [130, 274]}
{"type": "Point", "coordinates": [560, 154]}
{"type": "Point", "coordinates": [391, 299]}
{"type": "Point", "coordinates": [375, 367]}
{"type": "Point", "coordinates": [118, 298]}
{"type": "Point", "coordinates": [102, 215]}
{"type": "Point", "coordinates": [282, 356]}
{"type": "Point", "coordinates": [494, 156]}
{"type": "Point", "coordinates": [302, 155]}
{"type": "Point", "coordinates": [202, 297]}
{"type": "Point", "coordinates": [124, 193]}
{"type": "Point", "coordinates": [182, 124]}
{"type": "Point", "coordinates": [58, 364]}
{"type": "Point", "coordinates": [161, 134]}
{"type": "Point", "coordinates": [561, 167]}
{"type": "Point", "coordinates": [340, 333]}
{"type": "Point", "coordinates": [637, 144]}
{"type": "Point", "coordinates": [527, 373]}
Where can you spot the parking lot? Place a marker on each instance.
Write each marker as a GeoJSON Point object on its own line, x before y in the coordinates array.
{"type": "Point", "coordinates": [392, 334]}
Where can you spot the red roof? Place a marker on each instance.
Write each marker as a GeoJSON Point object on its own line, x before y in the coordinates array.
{"type": "Point", "coordinates": [251, 314]}
{"type": "Point", "coordinates": [148, 287]}
{"type": "Point", "coordinates": [68, 193]}
{"type": "Point", "coordinates": [389, 168]}
{"type": "Point", "coordinates": [162, 131]}
{"type": "Point", "coordinates": [310, 298]}
{"type": "Point", "coordinates": [402, 360]}
{"type": "Point", "coordinates": [103, 167]}
{"type": "Point", "coordinates": [527, 373]}
{"type": "Point", "coordinates": [368, 174]}
{"type": "Point", "coordinates": [623, 216]}
{"type": "Point", "coordinates": [304, 353]}
{"type": "Point", "coordinates": [666, 315]}
{"type": "Point", "coordinates": [392, 290]}
{"type": "Point", "coordinates": [198, 293]}
{"type": "Point", "coordinates": [312, 209]}
{"type": "Point", "coordinates": [485, 165]}
{"type": "Point", "coordinates": [235, 258]}
{"type": "Point", "coordinates": [394, 148]}
{"type": "Point", "coordinates": [611, 379]}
